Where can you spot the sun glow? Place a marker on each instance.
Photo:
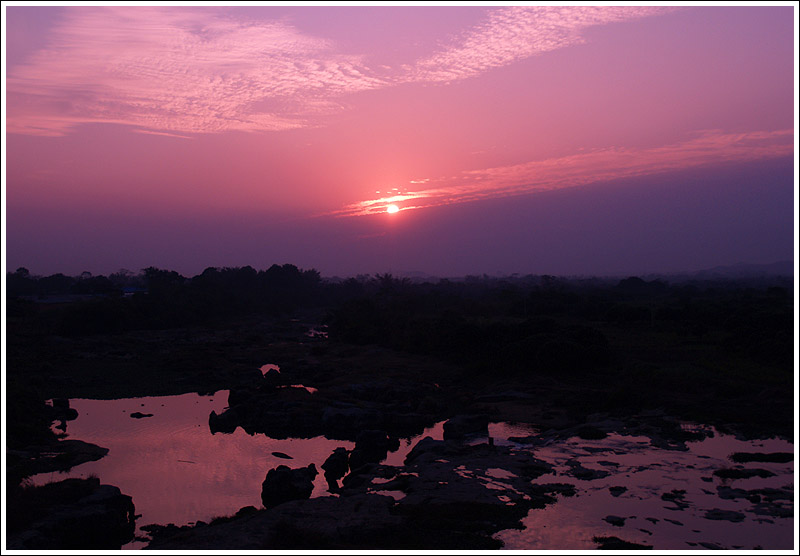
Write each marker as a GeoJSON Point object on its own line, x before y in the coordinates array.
{"type": "Point", "coordinates": [391, 209]}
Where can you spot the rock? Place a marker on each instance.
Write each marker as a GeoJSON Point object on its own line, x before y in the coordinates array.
{"type": "Point", "coordinates": [347, 422]}
{"type": "Point", "coordinates": [617, 490]}
{"type": "Point", "coordinates": [589, 432]}
{"type": "Point", "coordinates": [427, 447]}
{"type": "Point", "coordinates": [505, 396]}
{"type": "Point", "coordinates": [772, 509]}
{"type": "Point", "coordinates": [61, 411]}
{"type": "Point", "coordinates": [728, 493]}
{"type": "Point", "coordinates": [774, 457]}
{"type": "Point", "coordinates": [771, 494]}
{"type": "Point", "coordinates": [676, 497]}
{"type": "Point", "coordinates": [584, 473]}
{"type": "Point", "coordinates": [78, 514]}
{"type": "Point", "coordinates": [736, 473]}
{"type": "Point", "coordinates": [615, 543]}
{"type": "Point", "coordinates": [283, 484]}
{"type": "Point", "coordinates": [372, 446]}
{"type": "Point", "coordinates": [463, 425]}
{"type": "Point", "coordinates": [564, 489]}
{"type": "Point", "coordinates": [335, 467]}
{"type": "Point", "coordinates": [728, 515]}
{"type": "Point", "coordinates": [225, 422]}
{"type": "Point", "coordinates": [325, 523]}
{"type": "Point", "coordinates": [615, 520]}
{"type": "Point", "coordinates": [362, 520]}
{"type": "Point", "coordinates": [373, 440]}
{"type": "Point", "coordinates": [140, 415]}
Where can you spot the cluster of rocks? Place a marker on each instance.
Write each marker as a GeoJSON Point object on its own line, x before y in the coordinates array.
{"type": "Point", "coordinates": [74, 514]}
{"type": "Point", "coordinates": [448, 494]}
{"type": "Point", "coordinates": [270, 406]}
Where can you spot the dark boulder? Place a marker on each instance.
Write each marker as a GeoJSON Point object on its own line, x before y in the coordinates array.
{"type": "Point", "coordinates": [335, 467]}
{"type": "Point", "coordinates": [774, 457]}
{"type": "Point", "coordinates": [61, 411]}
{"type": "Point", "coordinates": [225, 422]}
{"type": "Point", "coordinates": [465, 425]}
{"type": "Point", "coordinates": [426, 449]}
{"type": "Point", "coordinates": [76, 514]}
{"type": "Point", "coordinates": [737, 473]}
{"type": "Point", "coordinates": [616, 491]}
{"type": "Point", "coordinates": [346, 422]}
{"type": "Point", "coordinates": [283, 484]}
{"type": "Point", "coordinates": [140, 415]}
{"type": "Point", "coordinates": [372, 446]}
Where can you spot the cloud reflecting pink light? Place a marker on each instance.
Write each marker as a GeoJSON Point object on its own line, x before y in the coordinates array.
{"type": "Point", "coordinates": [600, 165]}
{"type": "Point", "coordinates": [514, 33]}
{"type": "Point", "coordinates": [198, 70]}
{"type": "Point", "coordinates": [177, 70]}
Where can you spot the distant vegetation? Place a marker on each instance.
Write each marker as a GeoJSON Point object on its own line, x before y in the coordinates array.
{"type": "Point", "coordinates": [545, 323]}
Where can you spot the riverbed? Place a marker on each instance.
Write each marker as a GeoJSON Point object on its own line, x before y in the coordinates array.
{"type": "Point", "coordinates": [162, 453]}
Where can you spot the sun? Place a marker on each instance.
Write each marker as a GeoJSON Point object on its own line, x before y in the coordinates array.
{"type": "Point", "coordinates": [391, 209]}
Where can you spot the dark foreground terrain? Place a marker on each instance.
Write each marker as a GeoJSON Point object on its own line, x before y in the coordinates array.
{"type": "Point", "coordinates": [388, 358]}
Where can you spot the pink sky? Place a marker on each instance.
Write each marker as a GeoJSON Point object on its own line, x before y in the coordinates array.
{"type": "Point", "coordinates": [191, 136]}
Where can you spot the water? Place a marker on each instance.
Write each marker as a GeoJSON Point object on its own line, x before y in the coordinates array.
{"type": "Point", "coordinates": [177, 472]}
{"type": "Point", "coordinates": [647, 473]}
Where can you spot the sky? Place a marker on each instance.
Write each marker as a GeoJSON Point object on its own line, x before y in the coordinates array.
{"type": "Point", "coordinates": [448, 140]}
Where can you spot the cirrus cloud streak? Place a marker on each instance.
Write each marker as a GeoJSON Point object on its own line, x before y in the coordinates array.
{"type": "Point", "coordinates": [599, 165]}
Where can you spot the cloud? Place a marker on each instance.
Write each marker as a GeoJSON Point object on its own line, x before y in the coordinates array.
{"type": "Point", "coordinates": [514, 33]}
{"type": "Point", "coordinates": [200, 70]}
{"type": "Point", "coordinates": [183, 70]}
{"type": "Point", "coordinates": [148, 132]}
{"type": "Point", "coordinates": [600, 165]}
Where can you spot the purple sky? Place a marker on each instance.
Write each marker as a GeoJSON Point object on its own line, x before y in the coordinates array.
{"type": "Point", "coordinates": [529, 139]}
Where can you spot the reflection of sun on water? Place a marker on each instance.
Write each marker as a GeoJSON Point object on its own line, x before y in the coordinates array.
{"type": "Point", "coordinates": [392, 209]}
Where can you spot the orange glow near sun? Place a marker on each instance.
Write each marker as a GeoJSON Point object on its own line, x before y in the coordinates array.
{"type": "Point", "coordinates": [391, 209]}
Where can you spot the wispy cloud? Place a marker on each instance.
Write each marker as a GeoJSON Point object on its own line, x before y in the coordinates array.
{"type": "Point", "coordinates": [185, 70]}
{"type": "Point", "coordinates": [514, 33]}
{"type": "Point", "coordinates": [163, 133]}
{"type": "Point", "coordinates": [709, 147]}
{"type": "Point", "coordinates": [199, 70]}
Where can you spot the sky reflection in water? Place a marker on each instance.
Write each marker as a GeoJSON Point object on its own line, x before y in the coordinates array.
{"type": "Point", "coordinates": [177, 472]}
{"type": "Point", "coordinates": [648, 472]}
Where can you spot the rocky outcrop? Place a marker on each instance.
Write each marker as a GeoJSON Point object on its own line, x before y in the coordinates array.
{"type": "Point", "coordinates": [75, 514]}
{"type": "Point", "coordinates": [283, 484]}
{"type": "Point", "coordinates": [56, 456]}
{"type": "Point", "coordinates": [462, 425]}
{"type": "Point", "coordinates": [140, 415]}
{"type": "Point", "coordinates": [225, 422]}
{"type": "Point", "coordinates": [371, 447]}
{"type": "Point", "coordinates": [335, 467]}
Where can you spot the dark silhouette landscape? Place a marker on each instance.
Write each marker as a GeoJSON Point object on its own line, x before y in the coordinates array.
{"type": "Point", "coordinates": [389, 358]}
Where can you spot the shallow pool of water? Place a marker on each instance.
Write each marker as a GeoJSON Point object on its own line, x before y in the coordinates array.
{"type": "Point", "coordinates": [679, 521]}
{"type": "Point", "coordinates": [173, 467]}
